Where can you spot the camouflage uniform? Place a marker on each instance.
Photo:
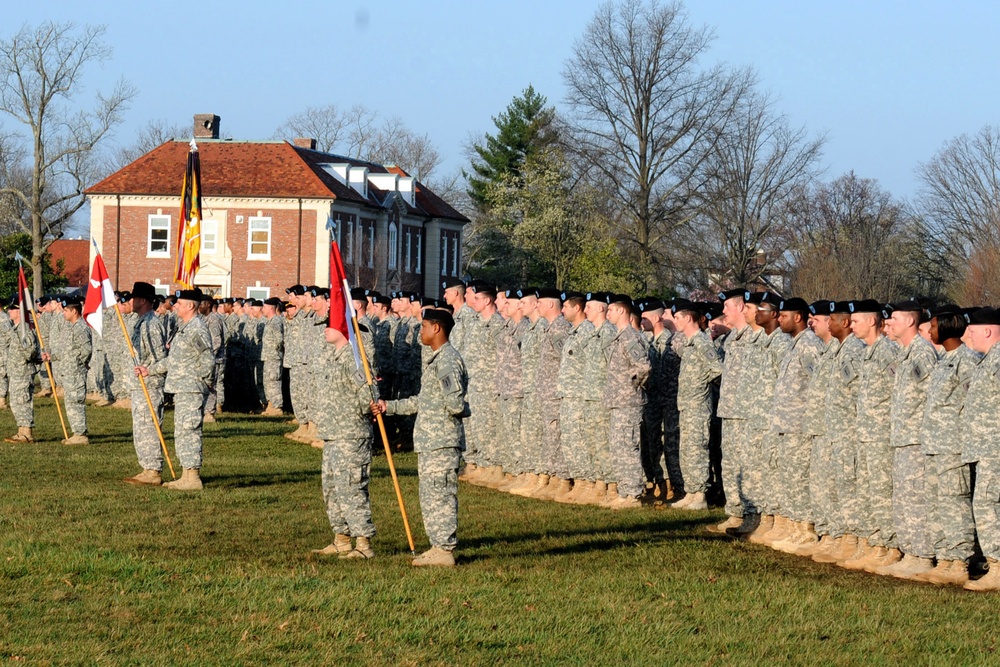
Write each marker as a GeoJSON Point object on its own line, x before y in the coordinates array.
{"type": "Point", "coordinates": [113, 355]}
{"type": "Point", "coordinates": [912, 372]}
{"type": "Point", "coordinates": [149, 340]}
{"type": "Point", "coordinates": [548, 381]}
{"type": "Point", "coordinates": [465, 321]}
{"type": "Point", "coordinates": [22, 355]}
{"type": "Point", "coordinates": [272, 352]}
{"type": "Point", "coordinates": [848, 458]}
{"type": "Point", "coordinates": [6, 329]}
{"type": "Point", "coordinates": [823, 507]}
{"type": "Point", "coordinates": [625, 395]}
{"type": "Point", "coordinates": [73, 356]}
{"type": "Point", "coordinates": [342, 419]}
{"type": "Point", "coordinates": [652, 445]}
{"type": "Point", "coordinates": [788, 417]}
{"type": "Point", "coordinates": [438, 439]}
{"type": "Point", "coordinates": [295, 360]}
{"type": "Point", "coordinates": [189, 368]}
{"type": "Point", "coordinates": [217, 383]}
{"type": "Point", "coordinates": [481, 353]}
{"type": "Point", "coordinates": [874, 399]}
{"type": "Point", "coordinates": [510, 392]}
{"type": "Point", "coordinates": [764, 363]}
{"type": "Point", "coordinates": [531, 415]}
{"type": "Point", "coordinates": [979, 422]}
{"type": "Point", "coordinates": [572, 391]}
{"type": "Point", "coordinates": [97, 376]}
{"type": "Point", "coordinates": [947, 483]}
{"type": "Point", "coordinates": [597, 413]}
{"type": "Point", "coordinates": [700, 366]}
{"type": "Point", "coordinates": [735, 396]}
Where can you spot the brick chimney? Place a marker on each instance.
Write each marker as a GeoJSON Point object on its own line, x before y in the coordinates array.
{"type": "Point", "coordinates": [206, 126]}
{"type": "Point", "coordinates": [305, 142]}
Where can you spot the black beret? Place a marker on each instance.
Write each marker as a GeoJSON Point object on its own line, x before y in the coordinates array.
{"type": "Point", "coordinates": [684, 304]}
{"type": "Point", "coordinates": [989, 316]}
{"type": "Point", "coordinates": [438, 315]}
{"type": "Point", "coordinates": [945, 309]}
{"type": "Point", "coordinates": [125, 297]}
{"type": "Point", "coordinates": [188, 294]}
{"type": "Point", "coordinates": [603, 297]}
{"type": "Point", "coordinates": [359, 294]}
{"type": "Point", "coordinates": [820, 307]}
{"type": "Point", "coordinates": [383, 299]}
{"type": "Point", "coordinates": [911, 306]}
{"type": "Point", "coordinates": [840, 307]}
{"type": "Point", "coordinates": [452, 282]}
{"type": "Point", "coordinates": [711, 310]}
{"type": "Point", "coordinates": [548, 293]}
{"type": "Point", "coordinates": [70, 300]}
{"type": "Point", "coordinates": [298, 290]}
{"type": "Point", "coordinates": [771, 299]}
{"type": "Point", "coordinates": [753, 297]}
{"type": "Point", "coordinates": [795, 303]}
{"type": "Point", "coordinates": [429, 303]}
{"type": "Point", "coordinates": [273, 301]}
{"type": "Point", "coordinates": [512, 293]}
{"type": "Point", "coordinates": [482, 287]}
{"type": "Point", "coordinates": [565, 296]}
{"type": "Point", "coordinates": [255, 303]}
{"type": "Point", "coordinates": [45, 298]}
{"type": "Point", "coordinates": [725, 295]}
{"type": "Point", "coordinates": [650, 304]}
{"type": "Point", "coordinates": [865, 306]}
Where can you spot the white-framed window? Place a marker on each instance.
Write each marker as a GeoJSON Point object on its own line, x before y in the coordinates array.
{"type": "Point", "coordinates": [408, 264]}
{"type": "Point", "coordinates": [258, 293]}
{"type": "Point", "coordinates": [444, 254]}
{"type": "Point", "coordinates": [259, 238]}
{"type": "Point", "coordinates": [371, 245]}
{"type": "Point", "coordinates": [420, 247]}
{"type": "Point", "coordinates": [159, 236]}
{"type": "Point", "coordinates": [392, 260]}
{"type": "Point", "coordinates": [162, 290]}
{"type": "Point", "coordinates": [210, 237]}
{"type": "Point", "coordinates": [336, 231]}
{"type": "Point", "coordinates": [349, 242]}
{"type": "Point", "coordinates": [454, 255]}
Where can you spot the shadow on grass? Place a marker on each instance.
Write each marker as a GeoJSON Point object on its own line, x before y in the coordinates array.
{"type": "Point", "coordinates": [243, 481]}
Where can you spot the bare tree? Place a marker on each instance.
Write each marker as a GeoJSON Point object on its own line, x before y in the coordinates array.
{"type": "Point", "coordinates": [647, 115]}
{"type": "Point", "coordinates": [749, 177]}
{"type": "Point", "coordinates": [324, 124]}
{"type": "Point", "coordinates": [153, 134]}
{"type": "Point", "coordinates": [41, 70]}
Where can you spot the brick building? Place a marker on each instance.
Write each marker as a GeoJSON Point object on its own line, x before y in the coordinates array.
{"type": "Point", "coordinates": [70, 259]}
{"type": "Point", "coordinates": [268, 209]}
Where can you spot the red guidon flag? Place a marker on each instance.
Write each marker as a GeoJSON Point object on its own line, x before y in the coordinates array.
{"type": "Point", "coordinates": [25, 305]}
{"type": "Point", "coordinates": [342, 313]}
{"type": "Point", "coordinates": [100, 295]}
{"type": "Point", "coordinates": [189, 235]}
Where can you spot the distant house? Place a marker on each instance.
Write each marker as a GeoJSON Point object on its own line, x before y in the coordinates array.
{"type": "Point", "coordinates": [74, 254]}
{"type": "Point", "coordinates": [268, 208]}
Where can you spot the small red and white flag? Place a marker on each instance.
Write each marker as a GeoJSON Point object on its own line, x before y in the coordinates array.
{"type": "Point", "coordinates": [100, 296]}
{"type": "Point", "coordinates": [342, 313]}
{"type": "Point", "coordinates": [25, 303]}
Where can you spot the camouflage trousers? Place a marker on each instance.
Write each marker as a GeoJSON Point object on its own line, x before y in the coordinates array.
{"type": "Point", "coordinates": [482, 428]}
{"type": "Point", "coordinates": [597, 419]}
{"type": "Point", "coordinates": [573, 438]}
{"type": "Point", "coordinates": [147, 443]}
{"type": "Point", "coordinates": [850, 483]}
{"type": "Point", "coordinates": [734, 445]}
{"type": "Point", "coordinates": [4, 381]}
{"type": "Point", "coordinates": [299, 387]}
{"type": "Point", "coordinates": [792, 479]}
{"type": "Point", "coordinates": [216, 389]}
{"type": "Point", "coordinates": [438, 475]}
{"type": "Point", "coordinates": [824, 506]}
{"type": "Point", "coordinates": [346, 464]}
{"type": "Point", "coordinates": [909, 505]}
{"type": "Point", "coordinates": [672, 447]}
{"type": "Point", "coordinates": [553, 458]}
{"type": "Point", "coordinates": [531, 435]}
{"type": "Point", "coordinates": [118, 379]}
{"type": "Point", "coordinates": [754, 463]}
{"type": "Point", "coordinates": [877, 498]}
{"type": "Point", "coordinates": [694, 450]}
{"type": "Point", "coordinates": [986, 505]}
{"type": "Point", "coordinates": [855, 515]}
{"type": "Point", "coordinates": [22, 398]}
{"type": "Point", "coordinates": [75, 400]}
{"type": "Point", "coordinates": [651, 444]}
{"type": "Point", "coordinates": [948, 488]}
{"type": "Point", "coordinates": [508, 445]}
{"type": "Point", "coordinates": [188, 420]}
{"type": "Point", "coordinates": [624, 427]}
{"type": "Point", "coordinates": [271, 381]}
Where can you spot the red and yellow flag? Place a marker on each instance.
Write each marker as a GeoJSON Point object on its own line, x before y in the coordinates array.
{"type": "Point", "coordinates": [189, 236]}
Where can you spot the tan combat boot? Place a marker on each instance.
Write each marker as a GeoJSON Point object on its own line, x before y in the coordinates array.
{"type": "Point", "coordinates": [860, 551]}
{"type": "Point", "coordinates": [146, 478]}
{"type": "Point", "coordinates": [272, 411]}
{"type": "Point", "coordinates": [779, 532]}
{"type": "Point", "coordinates": [341, 545]}
{"type": "Point", "coordinates": [610, 495]}
{"type": "Point", "coordinates": [789, 543]}
{"type": "Point", "coordinates": [561, 493]}
{"type": "Point", "coordinates": [24, 435]}
{"type": "Point", "coordinates": [190, 481]}
{"type": "Point", "coordinates": [697, 502]}
{"type": "Point", "coordinates": [550, 489]}
{"type": "Point", "coordinates": [989, 581]}
{"type": "Point", "coordinates": [832, 552]}
{"type": "Point", "coordinates": [76, 439]}
{"type": "Point", "coordinates": [435, 557]}
{"type": "Point", "coordinates": [623, 503]}
{"type": "Point", "coordinates": [509, 482]}
{"type": "Point", "coordinates": [297, 434]}
{"type": "Point", "coordinates": [860, 558]}
{"type": "Point", "coordinates": [683, 502]}
{"type": "Point", "coordinates": [586, 493]}
{"type": "Point", "coordinates": [890, 557]}
{"type": "Point", "coordinates": [541, 482]}
{"type": "Point", "coordinates": [956, 573]}
{"type": "Point", "coordinates": [362, 549]}
{"type": "Point", "coordinates": [3, 403]}
{"type": "Point", "coordinates": [730, 522]}
{"type": "Point", "coordinates": [911, 566]}
{"type": "Point", "coordinates": [765, 526]}
{"type": "Point", "coordinates": [600, 494]}
{"type": "Point", "coordinates": [808, 550]}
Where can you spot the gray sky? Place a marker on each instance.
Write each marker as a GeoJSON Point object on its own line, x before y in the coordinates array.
{"type": "Point", "coordinates": [888, 82]}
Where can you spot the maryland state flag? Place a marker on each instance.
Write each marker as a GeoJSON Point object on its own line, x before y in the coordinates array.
{"type": "Point", "coordinates": [189, 237]}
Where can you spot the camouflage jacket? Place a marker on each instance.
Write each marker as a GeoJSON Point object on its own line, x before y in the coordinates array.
{"type": "Point", "coordinates": [628, 370]}
{"type": "Point", "coordinates": [733, 394]}
{"type": "Point", "coordinates": [875, 391]}
{"type": "Point", "coordinates": [795, 373]}
{"type": "Point", "coordinates": [597, 353]}
{"type": "Point", "coordinates": [441, 404]}
{"type": "Point", "coordinates": [509, 369]}
{"type": "Point", "coordinates": [980, 425]}
{"type": "Point", "coordinates": [465, 320]}
{"type": "Point", "coordinates": [551, 345]}
{"type": "Point", "coordinates": [190, 364]}
{"type": "Point", "coordinates": [342, 397]}
{"type": "Point", "coordinates": [815, 414]}
{"type": "Point", "coordinates": [272, 346]}
{"type": "Point", "coordinates": [531, 347]}
{"type": "Point", "coordinates": [572, 375]}
{"type": "Point", "coordinates": [941, 431]}
{"type": "Point", "coordinates": [664, 368]}
{"type": "Point", "coordinates": [700, 366]}
{"type": "Point", "coordinates": [840, 400]}
{"type": "Point", "coordinates": [149, 339]}
{"type": "Point", "coordinates": [763, 374]}
{"type": "Point", "coordinates": [911, 377]}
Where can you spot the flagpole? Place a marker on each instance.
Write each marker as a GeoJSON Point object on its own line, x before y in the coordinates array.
{"type": "Point", "coordinates": [382, 432]}
{"type": "Point", "coordinates": [48, 366]}
{"type": "Point", "coordinates": [142, 382]}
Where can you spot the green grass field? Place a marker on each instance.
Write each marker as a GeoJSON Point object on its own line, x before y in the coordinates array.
{"type": "Point", "coordinates": [94, 570]}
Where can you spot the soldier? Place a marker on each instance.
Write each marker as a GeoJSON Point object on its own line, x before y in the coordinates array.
{"type": "Point", "coordinates": [625, 395]}
{"type": "Point", "coordinates": [272, 351]}
{"type": "Point", "coordinates": [343, 421]}
{"type": "Point", "coordinates": [947, 479]}
{"type": "Point", "coordinates": [215, 325]}
{"type": "Point", "coordinates": [530, 437]}
{"type": "Point", "coordinates": [979, 421]}
{"type": "Point", "coordinates": [118, 354]}
{"type": "Point", "coordinates": [790, 439]}
{"type": "Point", "coordinates": [453, 291]}
{"type": "Point", "coordinates": [295, 358]}
{"type": "Point", "coordinates": [149, 340]}
{"type": "Point", "coordinates": [22, 356]}
{"type": "Point", "coordinates": [659, 399]}
{"type": "Point", "coordinates": [912, 371]}
{"type": "Point", "coordinates": [6, 327]}
{"type": "Point", "coordinates": [735, 395]}
{"type": "Point", "coordinates": [367, 328]}
{"type": "Point", "coordinates": [314, 339]}
{"type": "Point", "coordinates": [73, 355]}
{"type": "Point", "coordinates": [438, 436]}
{"type": "Point", "coordinates": [480, 354]}
{"type": "Point", "coordinates": [43, 325]}
{"type": "Point", "coordinates": [510, 390]}
{"type": "Point", "coordinates": [189, 368]}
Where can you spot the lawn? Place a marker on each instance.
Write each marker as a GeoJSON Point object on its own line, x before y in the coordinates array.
{"type": "Point", "coordinates": [94, 570]}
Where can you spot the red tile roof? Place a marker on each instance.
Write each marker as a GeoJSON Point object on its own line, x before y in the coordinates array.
{"type": "Point", "coordinates": [75, 255]}
{"type": "Point", "coordinates": [256, 169]}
